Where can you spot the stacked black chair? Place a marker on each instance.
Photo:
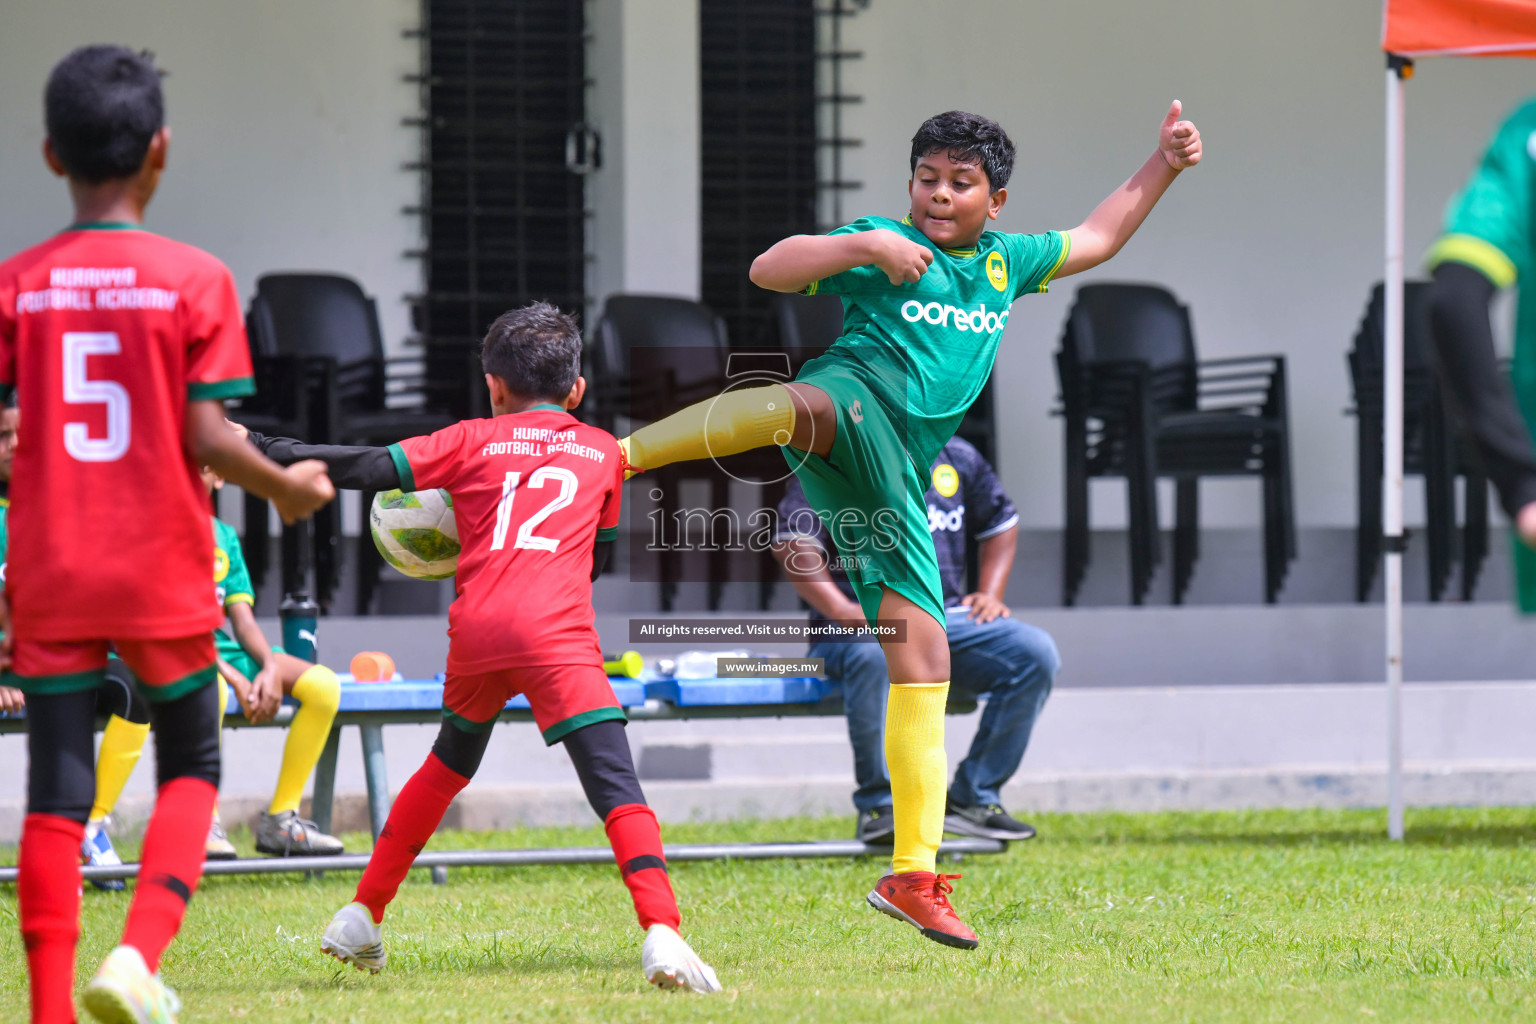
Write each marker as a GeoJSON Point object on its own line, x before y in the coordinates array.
{"type": "Point", "coordinates": [1139, 404]}
{"type": "Point", "coordinates": [805, 327]}
{"type": "Point", "coordinates": [360, 397]}
{"type": "Point", "coordinates": [652, 355]}
{"type": "Point", "coordinates": [1432, 448]}
{"type": "Point", "coordinates": [283, 405]}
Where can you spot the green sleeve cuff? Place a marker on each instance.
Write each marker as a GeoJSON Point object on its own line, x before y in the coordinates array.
{"type": "Point", "coordinates": [607, 533]}
{"type": "Point", "coordinates": [1066, 250]}
{"type": "Point", "coordinates": [235, 387]}
{"type": "Point", "coordinates": [403, 467]}
{"type": "Point", "coordinates": [810, 289]}
{"type": "Point", "coordinates": [1478, 253]}
{"type": "Point", "coordinates": [230, 599]}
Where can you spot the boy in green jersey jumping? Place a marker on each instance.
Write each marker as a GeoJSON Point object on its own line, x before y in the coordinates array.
{"type": "Point", "coordinates": [925, 302]}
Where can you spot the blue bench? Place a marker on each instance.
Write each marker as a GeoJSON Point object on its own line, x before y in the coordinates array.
{"type": "Point", "coordinates": [371, 706]}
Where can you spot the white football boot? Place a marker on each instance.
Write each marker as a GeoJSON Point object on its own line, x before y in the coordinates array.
{"type": "Point", "coordinates": [669, 962]}
{"type": "Point", "coordinates": [124, 992]}
{"type": "Point", "coordinates": [354, 939]}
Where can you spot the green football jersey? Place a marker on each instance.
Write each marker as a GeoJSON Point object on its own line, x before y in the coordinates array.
{"type": "Point", "coordinates": [231, 578]}
{"type": "Point", "coordinates": [5, 537]}
{"type": "Point", "coordinates": [925, 349]}
{"type": "Point", "coordinates": [1490, 225]}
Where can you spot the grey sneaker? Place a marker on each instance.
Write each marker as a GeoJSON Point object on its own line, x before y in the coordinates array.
{"type": "Point", "coordinates": [218, 846]}
{"type": "Point", "coordinates": [877, 827]}
{"type": "Point", "coordinates": [288, 835]}
{"type": "Point", "coordinates": [985, 821]}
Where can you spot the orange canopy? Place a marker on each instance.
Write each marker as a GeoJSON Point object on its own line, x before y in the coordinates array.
{"type": "Point", "coordinates": [1460, 28]}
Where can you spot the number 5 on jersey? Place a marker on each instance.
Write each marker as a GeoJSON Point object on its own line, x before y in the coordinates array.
{"type": "Point", "coordinates": [525, 535]}
{"type": "Point", "coordinates": [81, 390]}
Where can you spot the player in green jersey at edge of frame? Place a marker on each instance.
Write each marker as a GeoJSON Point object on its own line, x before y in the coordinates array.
{"type": "Point", "coordinates": [925, 303]}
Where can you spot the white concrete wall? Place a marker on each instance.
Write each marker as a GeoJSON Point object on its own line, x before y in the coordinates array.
{"type": "Point", "coordinates": [288, 147]}
{"type": "Point", "coordinates": [643, 62]}
{"type": "Point", "coordinates": [1274, 240]}
{"type": "Point", "coordinates": [287, 140]}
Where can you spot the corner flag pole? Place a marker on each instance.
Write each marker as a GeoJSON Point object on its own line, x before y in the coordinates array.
{"type": "Point", "coordinates": [1398, 69]}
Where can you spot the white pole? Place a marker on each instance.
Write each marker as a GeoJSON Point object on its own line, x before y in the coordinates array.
{"type": "Point", "coordinates": [1392, 517]}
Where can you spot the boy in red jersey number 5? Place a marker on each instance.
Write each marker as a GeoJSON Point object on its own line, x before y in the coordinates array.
{"type": "Point", "coordinates": [536, 498]}
{"type": "Point", "coordinates": [121, 345]}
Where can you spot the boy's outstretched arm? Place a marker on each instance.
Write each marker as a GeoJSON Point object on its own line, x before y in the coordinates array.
{"type": "Point", "coordinates": [352, 467]}
{"type": "Point", "coordinates": [800, 260]}
{"type": "Point", "coordinates": [296, 490]}
{"type": "Point", "coordinates": [1115, 220]}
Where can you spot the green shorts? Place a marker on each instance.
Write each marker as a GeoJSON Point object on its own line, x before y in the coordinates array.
{"type": "Point", "coordinates": [241, 662]}
{"type": "Point", "coordinates": [870, 496]}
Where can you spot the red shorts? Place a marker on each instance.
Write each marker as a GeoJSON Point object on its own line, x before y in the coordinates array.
{"type": "Point", "coordinates": [167, 668]}
{"type": "Point", "coordinates": [563, 697]}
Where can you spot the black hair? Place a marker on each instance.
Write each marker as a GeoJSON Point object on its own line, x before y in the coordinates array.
{"type": "Point", "coordinates": [535, 350]}
{"type": "Point", "coordinates": [102, 106]}
{"type": "Point", "coordinates": [968, 138]}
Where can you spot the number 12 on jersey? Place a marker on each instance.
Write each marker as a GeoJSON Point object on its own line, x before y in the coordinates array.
{"type": "Point", "coordinates": [525, 535]}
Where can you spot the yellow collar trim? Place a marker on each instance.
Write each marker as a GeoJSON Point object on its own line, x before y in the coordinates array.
{"type": "Point", "coordinates": [962, 253]}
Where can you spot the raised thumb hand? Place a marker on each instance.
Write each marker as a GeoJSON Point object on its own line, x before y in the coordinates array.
{"type": "Point", "coordinates": [1174, 110]}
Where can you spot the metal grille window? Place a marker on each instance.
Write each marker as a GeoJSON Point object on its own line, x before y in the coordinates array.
{"type": "Point", "coordinates": [757, 90]}
{"type": "Point", "coordinates": [503, 216]}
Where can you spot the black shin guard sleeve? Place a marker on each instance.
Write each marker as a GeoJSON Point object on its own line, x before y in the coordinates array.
{"type": "Point", "coordinates": [600, 752]}
{"type": "Point", "coordinates": [187, 736]}
{"type": "Point", "coordinates": [352, 467]}
{"type": "Point", "coordinates": [61, 754]}
{"type": "Point", "coordinates": [601, 551]}
{"type": "Point", "coordinates": [1464, 347]}
{"type": "Point", "coordinates": [460, 750]}
{"type": "Point", "coordinates": [120, 695]}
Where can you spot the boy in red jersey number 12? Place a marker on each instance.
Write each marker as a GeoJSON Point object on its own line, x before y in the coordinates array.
{"type": "Point", "coordinates": [121, 345]}
{"type": "Point", "coordinates": [536, 498]}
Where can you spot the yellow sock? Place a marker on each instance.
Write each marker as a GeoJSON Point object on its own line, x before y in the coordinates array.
{"type": "Point", "coordinates": [318, 692]}
{"type": "Point", "coordinates": [914, 756]}
{"type": "Point", "coordinates": [122, 742]}
{"type": "Point", "coordinates": [736, 421]}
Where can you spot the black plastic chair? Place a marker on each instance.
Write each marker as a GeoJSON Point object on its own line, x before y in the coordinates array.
{"type": "Point", "coordinates": [1139, 404]}
{"type": "Point", "coordinates": [807, 325]}
{"type": "Point", "coordinates": [651, 356]}
{"type": "Point", "coordinates": [363, 398]}
{"type": "Point", "coordinates": [1433, 448]}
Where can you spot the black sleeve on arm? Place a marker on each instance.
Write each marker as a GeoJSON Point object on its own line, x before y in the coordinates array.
{"type": "Point", "coordinates": [352, 467]}
{"type": "Point", "coordinates": [1464, 344]}
{"type": "Point", "coordinates": [600, 553]}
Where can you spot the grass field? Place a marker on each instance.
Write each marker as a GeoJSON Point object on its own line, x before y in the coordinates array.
{"type": "Point", "coordinates": [1266, 916]}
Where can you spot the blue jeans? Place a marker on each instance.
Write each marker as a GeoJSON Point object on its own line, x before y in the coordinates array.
{"type": "Point", "coordinates": [1010, 663]}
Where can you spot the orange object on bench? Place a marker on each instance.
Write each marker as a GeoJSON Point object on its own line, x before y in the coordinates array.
{"type": "Point", "coordinates": [373, 667]}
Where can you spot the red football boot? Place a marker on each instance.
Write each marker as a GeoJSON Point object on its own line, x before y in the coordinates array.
{"type": "Point", "coordinates": [921, 899]}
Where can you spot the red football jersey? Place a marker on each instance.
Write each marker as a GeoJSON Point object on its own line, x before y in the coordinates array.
{"type": "Point", "coordinates": [105, 334]}
{"type": "Point", "coordinates": [532, 491]}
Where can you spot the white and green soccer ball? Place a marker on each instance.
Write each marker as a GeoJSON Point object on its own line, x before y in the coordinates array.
{"type": "Point", "coordinates": [416, 533]}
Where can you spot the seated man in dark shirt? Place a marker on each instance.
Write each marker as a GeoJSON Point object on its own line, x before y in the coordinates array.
{"type": "Point", "coordinates": [990, 653]}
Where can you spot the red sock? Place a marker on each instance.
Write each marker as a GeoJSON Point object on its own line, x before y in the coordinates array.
{"type": "Point", "coordinates": [636, 841]}
{"type": "Point", "coordinates": [48, 903]}
{"type": "Point", "coordinates": [170, 866]}
{"type": "Point", "coordinates": [417, 812]}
